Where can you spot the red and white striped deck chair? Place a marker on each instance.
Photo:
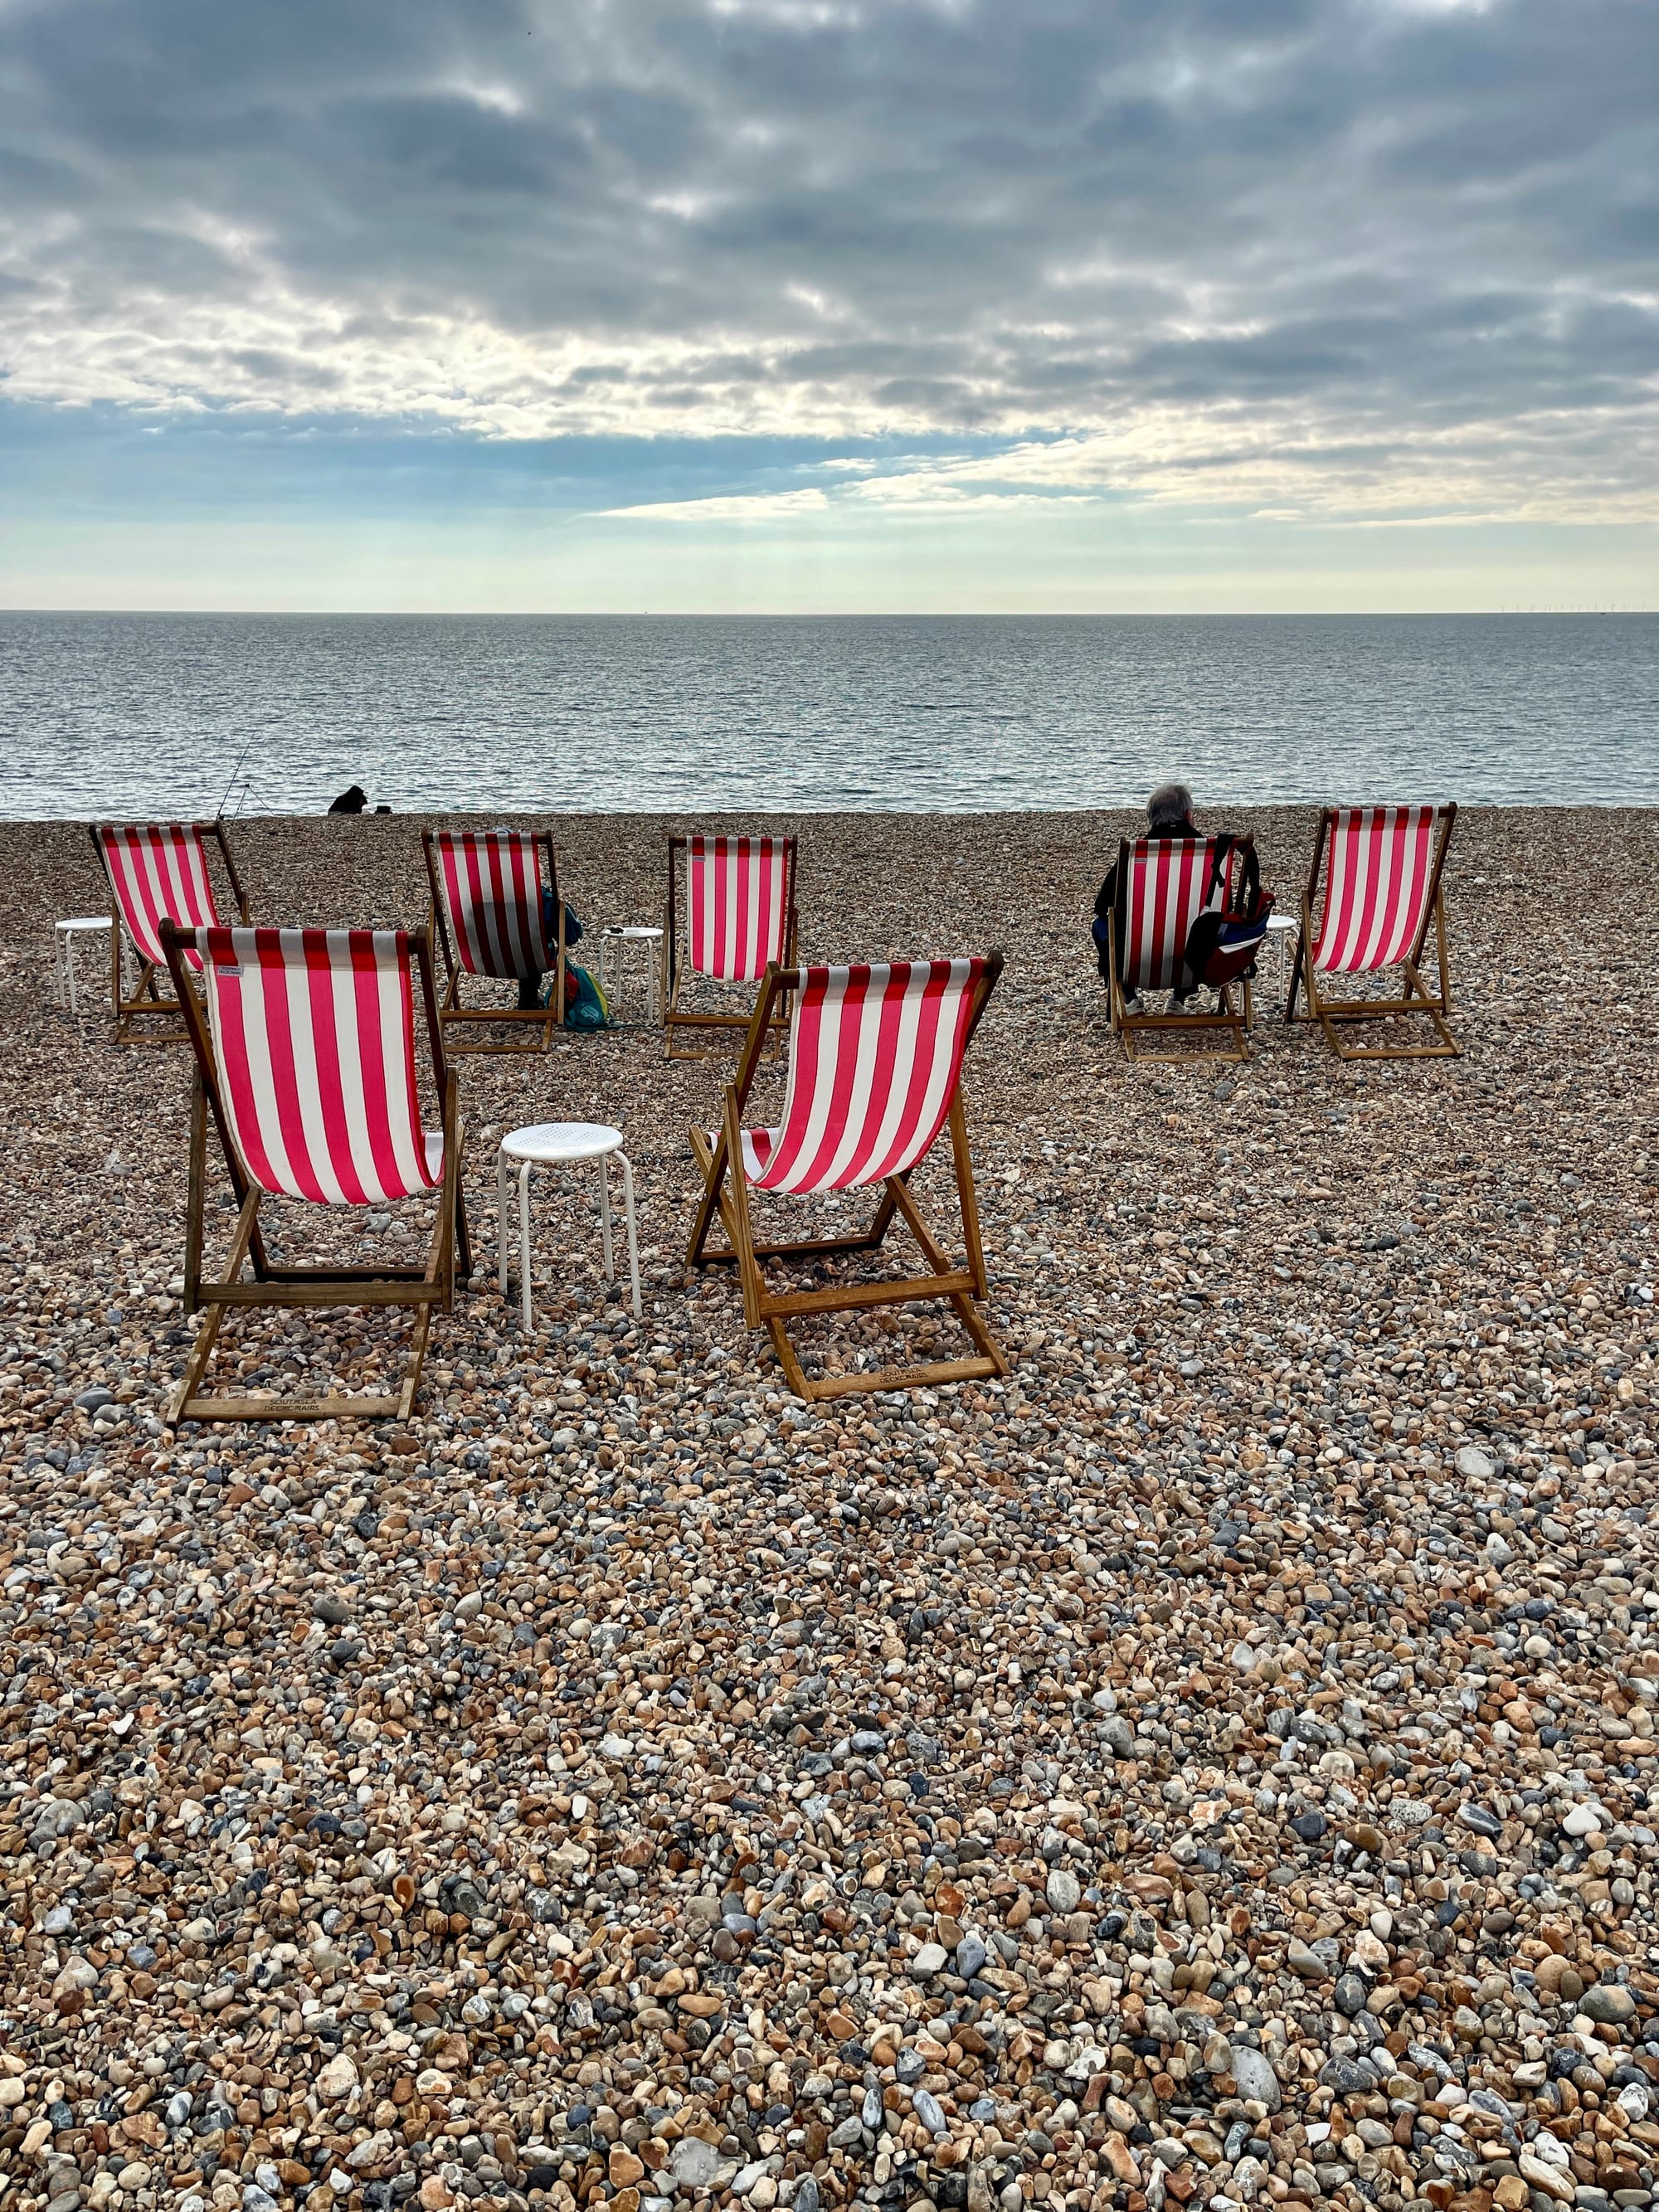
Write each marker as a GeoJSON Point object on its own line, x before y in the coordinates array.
{"type": "Point", "coordinates": [874, 1075]}
{"type": "Point", "coordinates": [157, 872]}
{"type": "Point", "coordinates": [1375, 884]}
{"type": "Point", "coordinates": [739, 919]}
{"type": "Point", "coordinates": [491, 890]}
{"type": "Point", "coordinates": [1161, 884]}
{"type": "Point", "coordinates": [306, 1057]}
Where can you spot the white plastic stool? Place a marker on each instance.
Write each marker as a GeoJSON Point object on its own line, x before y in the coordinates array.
{"type": "Point", "coordinates": [1280, 925]}
{"type": "Point", "coordinates": [628, 939]}
{"type": "Point", "coordinates": [66, 937]}
{"type": "Point", "coordinates": [564, 1144]}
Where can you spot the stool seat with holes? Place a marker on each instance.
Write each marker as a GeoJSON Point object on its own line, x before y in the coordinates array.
{"type": "Point", "coordinates": [564, 1144]}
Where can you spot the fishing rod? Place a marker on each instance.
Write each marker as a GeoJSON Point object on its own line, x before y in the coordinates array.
{"type": "Point", "coordinates": [236, 771]}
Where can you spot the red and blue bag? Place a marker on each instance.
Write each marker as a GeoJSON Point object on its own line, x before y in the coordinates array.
{"type": "Point", "coordinates": [1229, 931]}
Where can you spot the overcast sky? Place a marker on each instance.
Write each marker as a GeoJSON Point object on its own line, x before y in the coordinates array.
{"type": "Point", "coordinates": [728, 303]}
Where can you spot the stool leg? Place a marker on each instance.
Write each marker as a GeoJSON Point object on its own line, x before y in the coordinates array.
{"type": "Point", "coordinates": [632, 1232]}
{"type": "Point", "coordinates": [604, 1217]}
{"type": "Point", "coordinates": [524, 1242]}
{"type": "Point", "coordinates": [500, 1213]}
{"type": "Point", "coordinates": [69, 970]}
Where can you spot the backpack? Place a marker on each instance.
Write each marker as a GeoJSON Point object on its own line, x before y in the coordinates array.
{"type": "Point", "coordinates": [585, 1007]}
{"type": "Point", "coordinates": [1228, 932]}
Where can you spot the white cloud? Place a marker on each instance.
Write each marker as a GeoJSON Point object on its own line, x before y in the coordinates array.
{"type": "Point", "coordinates": [760, 507]}
{"type": "Point", "coordinates": [1311, 257]}
{"type": "Point", "coordinates": [1540, 470]}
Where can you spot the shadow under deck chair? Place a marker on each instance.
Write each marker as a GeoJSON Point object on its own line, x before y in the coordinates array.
{"type": "Point", "coordinates": [306, 1058]}
{"type": "Point", "coordinates": [1381, 869]}
{"type": "Point", "coordinates": [739, 919]}
{"type": "Point", "coordinates": [1161, 884]}
{"type": "Point", "coordinates": [874, 1074]}
{"type": "Point", "coordinates": [158, 872]}
{"type": "Point", "coordinates": [490, 899]}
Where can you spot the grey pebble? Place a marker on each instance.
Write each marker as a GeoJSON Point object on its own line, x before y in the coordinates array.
{"type": "Point", "coordinates": [929, 2112]}
{"type": "Point", "coordinates": [1608, 2003]}
{"type": "Point", "coordinates": [1063, 1890]}
{"type": "Point", "coordinates": [1255, 2078]}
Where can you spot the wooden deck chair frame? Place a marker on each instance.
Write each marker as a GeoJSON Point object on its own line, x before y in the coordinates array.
{"type": "Point", "coordinates": [727, 1194]}
{"type": "Point", "coordinates": [419, 1287]}
{"type": "Point", "coordinates": [677, 968]}
{"type": "Point", "coordinates": [454, 1017]}
{"type": "Point", "coordinates": [148, 1004]}
{"type": "Point", "coordinates": [1230, 1022]}
{"type": "Point", "coordinates": [1415, 997]}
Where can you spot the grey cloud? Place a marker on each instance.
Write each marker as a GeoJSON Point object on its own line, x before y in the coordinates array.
{"type": "Point", "coordinates": [1333, 229]}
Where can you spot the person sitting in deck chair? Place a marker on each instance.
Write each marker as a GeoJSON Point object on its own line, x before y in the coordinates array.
{"type": "Point", "coordinates": [532, 991]}
{"type": "Point", "coordinates": [1169, 814]}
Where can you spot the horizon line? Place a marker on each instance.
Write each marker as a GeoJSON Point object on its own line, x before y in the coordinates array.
{"type": "Point", "coordinates": [845, 614]}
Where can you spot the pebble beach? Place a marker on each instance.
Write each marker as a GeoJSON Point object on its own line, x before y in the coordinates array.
{"type": "Point", "coordinates": [1215, 1766]}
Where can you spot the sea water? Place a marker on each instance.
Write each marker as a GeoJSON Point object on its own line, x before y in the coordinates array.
{"type": "Point", "coordinates": [144, 716]}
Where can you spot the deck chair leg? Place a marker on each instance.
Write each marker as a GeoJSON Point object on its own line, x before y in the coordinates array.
{"type": "Point", "coordinates": [739, 1226]}
{"type": "Point", "coordinates": [1114, 988]}
{"type": "Point", "coordinates": [1310, 985]}
{"type": "Point", "coordinates": [968, 1197]}
{"type": "Point", "coordinates": [1440, 948]}
{"type": "Point", "coordinates": [197, 1198]}
{"type": "Point", "coordinates": [1328, 1027]}
{"type": "Point", "coordinates": [984, 1342]}
{"type": "Point", "coordinates": [450, 1245]}
{"type": "Point", "coordinates": [786, 1359]}
{"type": "Point", "coordinates": [416, 1362]}
{"type": "Point", "coordinates": [937, 1260]}
{"type": "Point", "coordinates": [1434, 1009]}
{"type": "Point", "coordinates": [185, 1396]}
{"type": "Point", "coordinates": [557, 1008]}
{"type": "Point", "coordinates": [713, 1165]}
{"type": "Point", "coordinates": [1303, 939]}
{"type": "Point", "coordinates": [724, 1204]}
{"type": "Point", "coordinates": [1416, 999]}
{"type": "Point", "coordinates": [1239, 1019]}
{"type": "Point", "coordinates": [462, 1264]}
{"type": "Point", "coordinates": [883, 1221]}
{"type": "Point", "coordinates": [990, 1361]}
{"type": "Point", "coordinates": [1120, 1011]}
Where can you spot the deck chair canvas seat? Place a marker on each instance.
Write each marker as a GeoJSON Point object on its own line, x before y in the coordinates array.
{"type": "Point", "coordinates": [1376, 884]}
{"type": "Point", "coordinates": [739, 920]}
{"type": "Point", "coordinates": [307, 1061]}
{"type": "Point", "coordinates": [491, 893]}
{"type": "Point", "coordinates": [874, 1076]}
{"type": "Point", "coordinates": [1161, 886]}
{"type": "Point", "coordinates": [157, 872]}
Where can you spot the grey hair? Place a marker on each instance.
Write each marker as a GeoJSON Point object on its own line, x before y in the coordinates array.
{"type": "Point", "coordinates": [1168, 807]}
